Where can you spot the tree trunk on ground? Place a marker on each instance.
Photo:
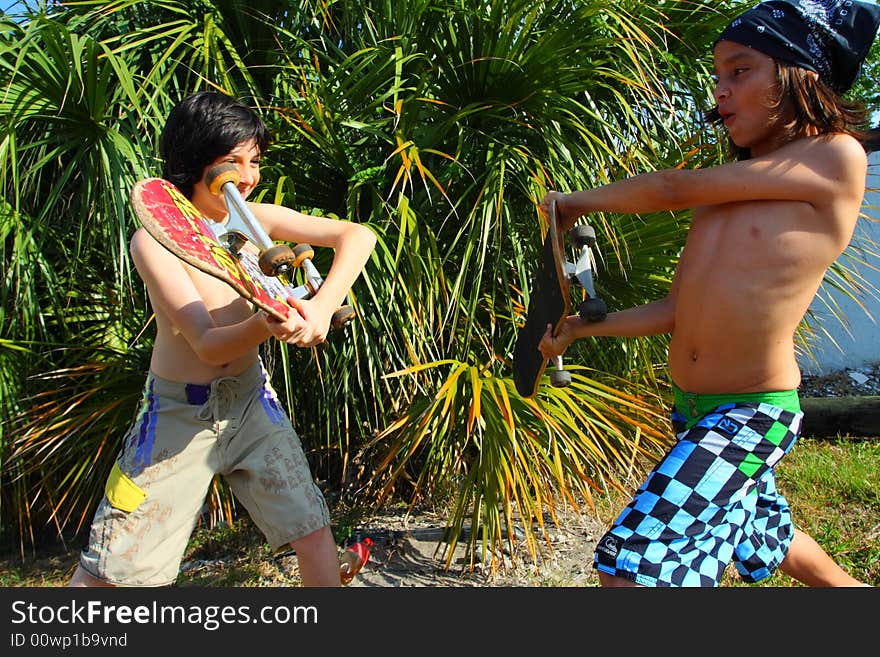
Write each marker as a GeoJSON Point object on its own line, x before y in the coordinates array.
{"type": "Point", "coordinates": [829, 417]}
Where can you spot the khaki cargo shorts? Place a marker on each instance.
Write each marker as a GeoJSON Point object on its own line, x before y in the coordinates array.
{"type": "Point", "coordinates": [183, 435]}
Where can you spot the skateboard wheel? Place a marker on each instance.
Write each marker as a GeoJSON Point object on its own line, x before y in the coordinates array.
{"type": "Point", "coordinates": [342, 317]}
{"type": "Point", "coordinates": [593, 310]}
{"type": "Point", "coordinates": [560, 378]}
{"type": "Point", "coordinates": [220, 175]}
{"type": "Point", "coordinates": [301, 253]}
{"type": "Point", "coordinates": [277, 259]}
{"type": "Point", "coordinates": [583, 235]}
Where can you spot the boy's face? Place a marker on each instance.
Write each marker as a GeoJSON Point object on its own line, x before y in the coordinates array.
{"type": "Point", "coordinates": [246, 158]}
{"type": "Point", "coordinates": [746, 92]}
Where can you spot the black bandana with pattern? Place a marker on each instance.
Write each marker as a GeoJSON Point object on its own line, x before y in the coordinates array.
{"type": "Point", "coordinates": [829, 37]}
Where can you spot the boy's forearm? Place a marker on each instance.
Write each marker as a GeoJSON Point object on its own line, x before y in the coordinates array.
{"type": "Point", "coordinates": [654, 318]}
{"type": "Point", "coordinates": [221, 344]}
{"type": "Point", "coordinates": [648, 192]}
{"type": "Point", "coordinates": [349, 260]}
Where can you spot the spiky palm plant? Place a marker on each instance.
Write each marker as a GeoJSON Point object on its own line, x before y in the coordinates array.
{"type": "Point", "coordinates": [65, 159]}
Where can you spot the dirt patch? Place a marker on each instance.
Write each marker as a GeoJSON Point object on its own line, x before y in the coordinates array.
{"type": "Point", "coordinates": [408, 550]}
{"type": "Point", "coordinates": [850, 382]}
{"type": "Point", "coordinates": [411, 551]}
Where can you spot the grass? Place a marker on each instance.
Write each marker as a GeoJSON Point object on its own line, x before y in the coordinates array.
{"type": "Point", "coordinates": [831, 485]}
{"type": "Point", "coordinates": [833, 488]}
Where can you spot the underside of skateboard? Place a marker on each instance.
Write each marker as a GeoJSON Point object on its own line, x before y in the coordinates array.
{"type": "Point", "coordinates": [274, 259]}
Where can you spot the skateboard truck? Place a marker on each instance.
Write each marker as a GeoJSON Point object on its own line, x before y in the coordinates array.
{"type": "Point", "coordinates": [274, 259]}
{"type": "Point", "coordinates": [592, 309]}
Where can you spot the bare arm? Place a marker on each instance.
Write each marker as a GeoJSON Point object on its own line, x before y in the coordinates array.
{"type": "Point", "coordinates": [812, 170]}
{"type": "Point", "coordinates": [652, 318]}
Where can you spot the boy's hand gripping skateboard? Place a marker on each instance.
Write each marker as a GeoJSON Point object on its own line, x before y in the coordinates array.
{"type": "Point", "coordinates": [550, 303]}
{"type": "Point", "coordinates": [220, 249]}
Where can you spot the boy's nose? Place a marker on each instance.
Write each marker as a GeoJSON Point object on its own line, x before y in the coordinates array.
{"type": "Point", "coordinates": [720, 92]}
{"type": "Point", "coordinates": [245, 176]}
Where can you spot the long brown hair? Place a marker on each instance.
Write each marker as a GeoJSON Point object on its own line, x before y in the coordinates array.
{"type": "Point", "coordinates": [817, 108]}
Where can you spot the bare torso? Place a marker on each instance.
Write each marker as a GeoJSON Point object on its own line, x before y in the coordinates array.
{"type": "Point", "coordinates": [173, 357]}
{"type": "Point", "coordinates": [746, 277]}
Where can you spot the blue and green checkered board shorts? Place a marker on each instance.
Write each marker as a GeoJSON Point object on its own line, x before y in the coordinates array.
{"type": "Point", "coordinates": [712, 498]}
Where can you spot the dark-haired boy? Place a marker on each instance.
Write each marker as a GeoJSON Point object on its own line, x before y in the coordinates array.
{"type": "Point", "coordinates": [208, 406]}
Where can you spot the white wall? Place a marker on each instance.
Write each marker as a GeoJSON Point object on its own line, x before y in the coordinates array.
{"type": "Point", "coordinates": [862, 346]}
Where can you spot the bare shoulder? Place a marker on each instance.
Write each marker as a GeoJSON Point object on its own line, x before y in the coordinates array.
{"type": "Point", "coordinates": [836, 152]}
{"type": "Point", "coordinates": [145, 249]}
{"type": "Point", "coordinates": [140, 241]}
{"type": "Point", "coordinates": [819, 170]}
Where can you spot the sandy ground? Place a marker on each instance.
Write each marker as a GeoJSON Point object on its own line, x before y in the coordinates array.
{"type": "Point", "coordinates": [409, 551]}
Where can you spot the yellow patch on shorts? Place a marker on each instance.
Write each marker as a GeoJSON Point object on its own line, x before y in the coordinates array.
{"type": "Point", "coordinates": [122, 492]}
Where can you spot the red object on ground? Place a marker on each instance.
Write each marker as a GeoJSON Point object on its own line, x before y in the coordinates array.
{"type": "Point", "coordinates": [353, 559]}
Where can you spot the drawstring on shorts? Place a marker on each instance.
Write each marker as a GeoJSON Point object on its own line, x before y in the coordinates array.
{"type": "Point", "coordinates": [223, 393]}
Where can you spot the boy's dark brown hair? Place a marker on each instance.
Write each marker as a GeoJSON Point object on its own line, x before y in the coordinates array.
{"type": "Point", "coordinates": [201, 128]}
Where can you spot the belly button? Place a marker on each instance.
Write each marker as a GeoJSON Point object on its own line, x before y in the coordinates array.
{"type": "Point", "coordinates": [694, 357]}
